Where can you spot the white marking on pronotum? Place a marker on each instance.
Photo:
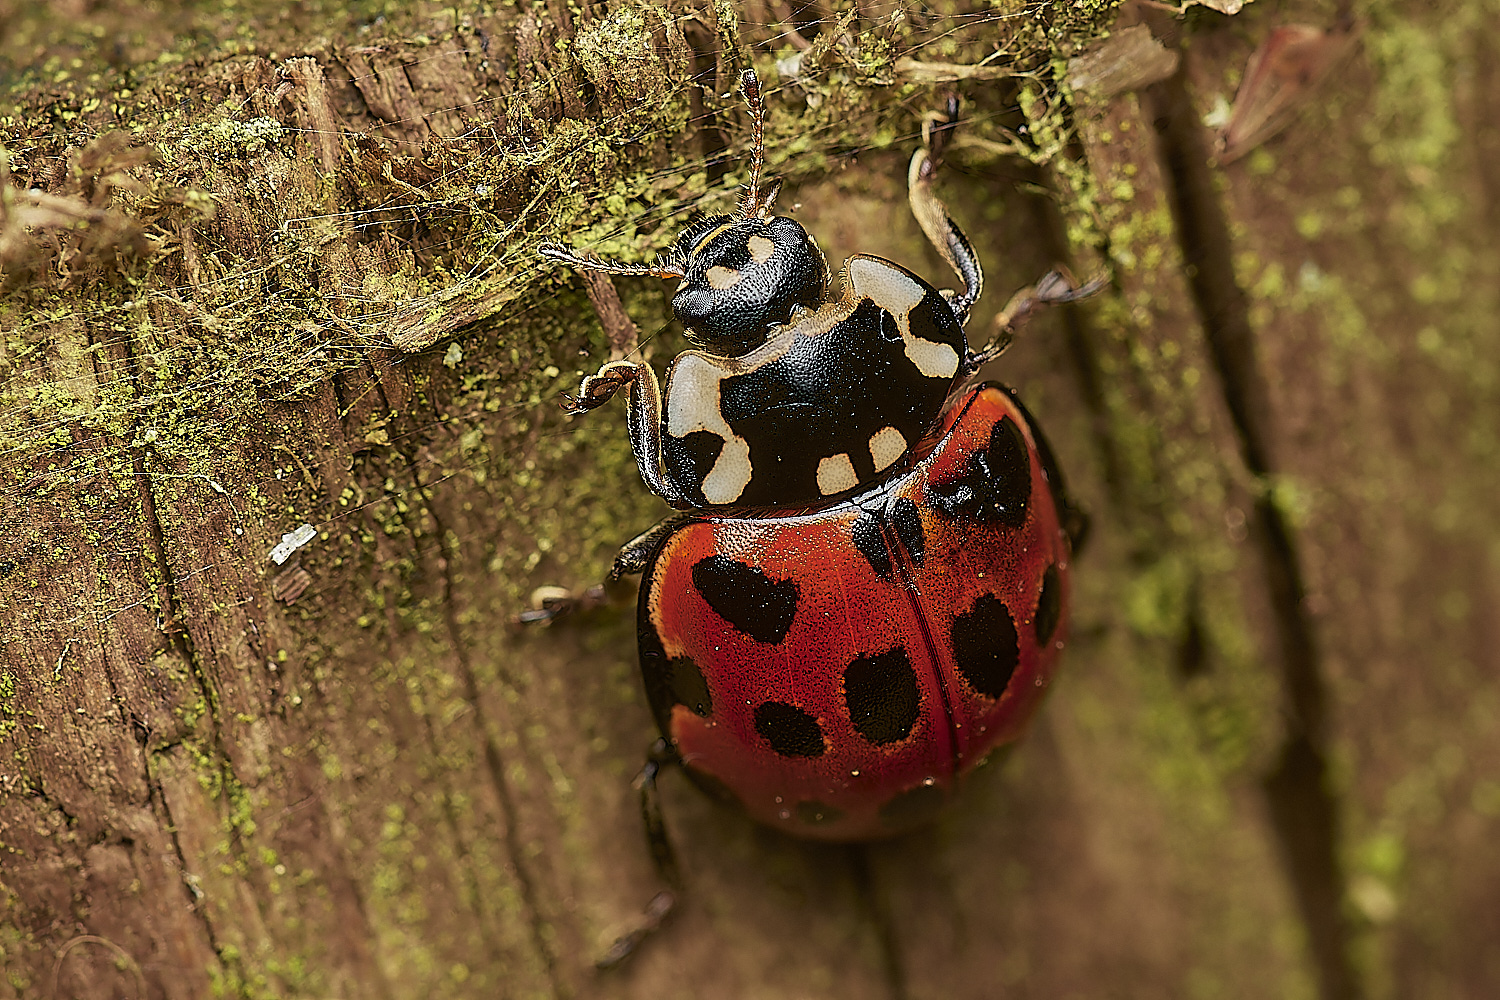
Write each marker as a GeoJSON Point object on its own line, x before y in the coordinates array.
{"type": "Point", "coordinates": [886, 446]}
{"type": "Point", "coordinates": [761, 248]}
{"type": "Point", "coordinates": [291, 542]}
{"type": "Point", "coordinates": [932, 359]}
{"type": "Point", "coordinates": [723, 277]}
{"type": "Point", "coordinates": [730, 474]}
{"type": "Point", "coordinates": [895, 290]}
{"type": "Point", "coordinates": [836, 474]}
{"type": "Point", "coordinates": [693, 405]}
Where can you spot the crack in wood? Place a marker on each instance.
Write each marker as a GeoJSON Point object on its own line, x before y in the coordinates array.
{"type": "Point", "coordinates": [450, 818]}
{"type": "Point", "coordinates": [1303, 810]}
{"type": "Point", "coordinates": [495, 764]}
{"type": "Point", "coordinates": [180, 641]}
{"type": "Point", "coordinates": [526, 881]}
{"type": "Point", "coordinates": [34, 789]}
{"type": "Point", "coordinates": [163, 809]}
{"type": "Point", "coordinates": [877, 910]}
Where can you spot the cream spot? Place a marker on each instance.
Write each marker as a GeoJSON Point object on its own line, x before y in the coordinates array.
{"type": "Point", "coordinates": [723, 277]}
{"type": "Point", "coordinates": [692, 396]}
{"type": "Point", "coordinates": [932, 359]}
{"type": "Point", "coordinates": [730, 474]}
{"type": "Point", "coordinates": [896, 291]}
{"type": "Point", "coordinates": [886, 446]}
{"type": "Point", "coordinates": [761, 248]}
{"type": "Point", "coordinates": [692, 399]}
{"type": "Point", "coordinates": [836, 474]}
{"type": "Point", "coordinates": [890, 286]}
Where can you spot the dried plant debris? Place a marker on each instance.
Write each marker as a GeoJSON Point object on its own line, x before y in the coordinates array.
{"type": "Point", "coordinates": [1131, 58]}
{"type": "Point", "coordinates": [1281, 78]}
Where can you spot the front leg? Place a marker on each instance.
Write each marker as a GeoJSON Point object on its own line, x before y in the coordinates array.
{"type": "Point", "coordinates": [932, 215]}
{"type": "Point", "coordinates": [1057, 287]}
{"type": "Point", "coordinates": [551, 603]}
{"type": "Point", "coordinates": [643, 419]}
{"type": "Point", "coordinates": [943, 233]}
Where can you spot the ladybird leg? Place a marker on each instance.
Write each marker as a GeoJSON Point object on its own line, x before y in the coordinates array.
{"type": "Point", "coordinates": [663, 903]}
{"type": "Point", "coordinates": [551, 603]}
{"type": "Point", "coordinates": [951, 243]}
{"type": "Point", "coordinates": [644, 424]}
{"type": "Point", "coordinates": [1056, 288]}
{"type": "Point", "coordinates": [634, 554]}
{"type": "Point", "coordinates": [662, 754]}
{"type": "Point", "coordinates": [597, 389]}
{"type": "Point", "coordinates": [643, 419]}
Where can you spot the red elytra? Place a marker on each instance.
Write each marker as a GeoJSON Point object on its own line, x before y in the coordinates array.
{"type": "Point", "coordinates": [837, 671]}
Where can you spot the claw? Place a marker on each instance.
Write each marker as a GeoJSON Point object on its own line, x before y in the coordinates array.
{"type": "Point", "coordinates": [657, 911]}
{"type": "Point", "coordinates": [1056, 287]}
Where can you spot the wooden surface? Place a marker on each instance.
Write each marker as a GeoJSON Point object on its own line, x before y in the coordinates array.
{"type": "Point", "coordinates": [1270, 766]}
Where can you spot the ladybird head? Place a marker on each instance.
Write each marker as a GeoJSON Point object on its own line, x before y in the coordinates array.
{"type": "Point", "coordinates": [740, 274]}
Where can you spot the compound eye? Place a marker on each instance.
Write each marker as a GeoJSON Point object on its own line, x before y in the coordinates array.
{"type": "Point", "coordinates": [694, 304]}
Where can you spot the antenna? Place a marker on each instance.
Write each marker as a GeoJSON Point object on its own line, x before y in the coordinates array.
{"type": "Point", "coordinates": [752, 205]}
{"type": "Point", "coordinates": [593, 262]}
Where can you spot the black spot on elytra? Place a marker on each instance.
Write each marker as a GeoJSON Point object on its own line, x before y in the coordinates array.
{"type": "Point", "coordinates": [746, 598]}
{"type": "Point", "coordinates": [871, 544]}
{"type": "Point", "coordinates": [671, 681]}
{"type": "Point", "coordinates": [913, 807]}
{"type": "Point", "coordinates": [882, 695]}
{"type": "Point", "coordinates": [687, 687]}
{"type": "Point", "coordinates": [815, 813]}
{"type": "Point", "coordinates": [690, 458]}
{"type": "Point", "coordinates": [996, 483]}
{"type": "Point", "coordinates": [985, 646]}
{"type": "Point", "coordinates": [1048, 606]}
{"type": "Point", "coordinates": [790, 731]}
{"type": "Point", "coordinates": [908, 525]}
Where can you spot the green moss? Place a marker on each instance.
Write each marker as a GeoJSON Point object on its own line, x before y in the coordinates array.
{"type": "Point", "coordinates": [10, 710]}
{"type": "Point", "coordinates": [230, 137]}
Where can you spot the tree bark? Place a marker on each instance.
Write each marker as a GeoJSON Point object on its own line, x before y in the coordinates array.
{"type": "Point", "coordinates": [266, 272]}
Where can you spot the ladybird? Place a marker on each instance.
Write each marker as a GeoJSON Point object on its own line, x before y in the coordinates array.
{"type": "Point", "coordinates": [837, 671]}
{"type": "Point", "coordinates": [795, 396]}
{"type": "Point", "coordinates": [866, 591]}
